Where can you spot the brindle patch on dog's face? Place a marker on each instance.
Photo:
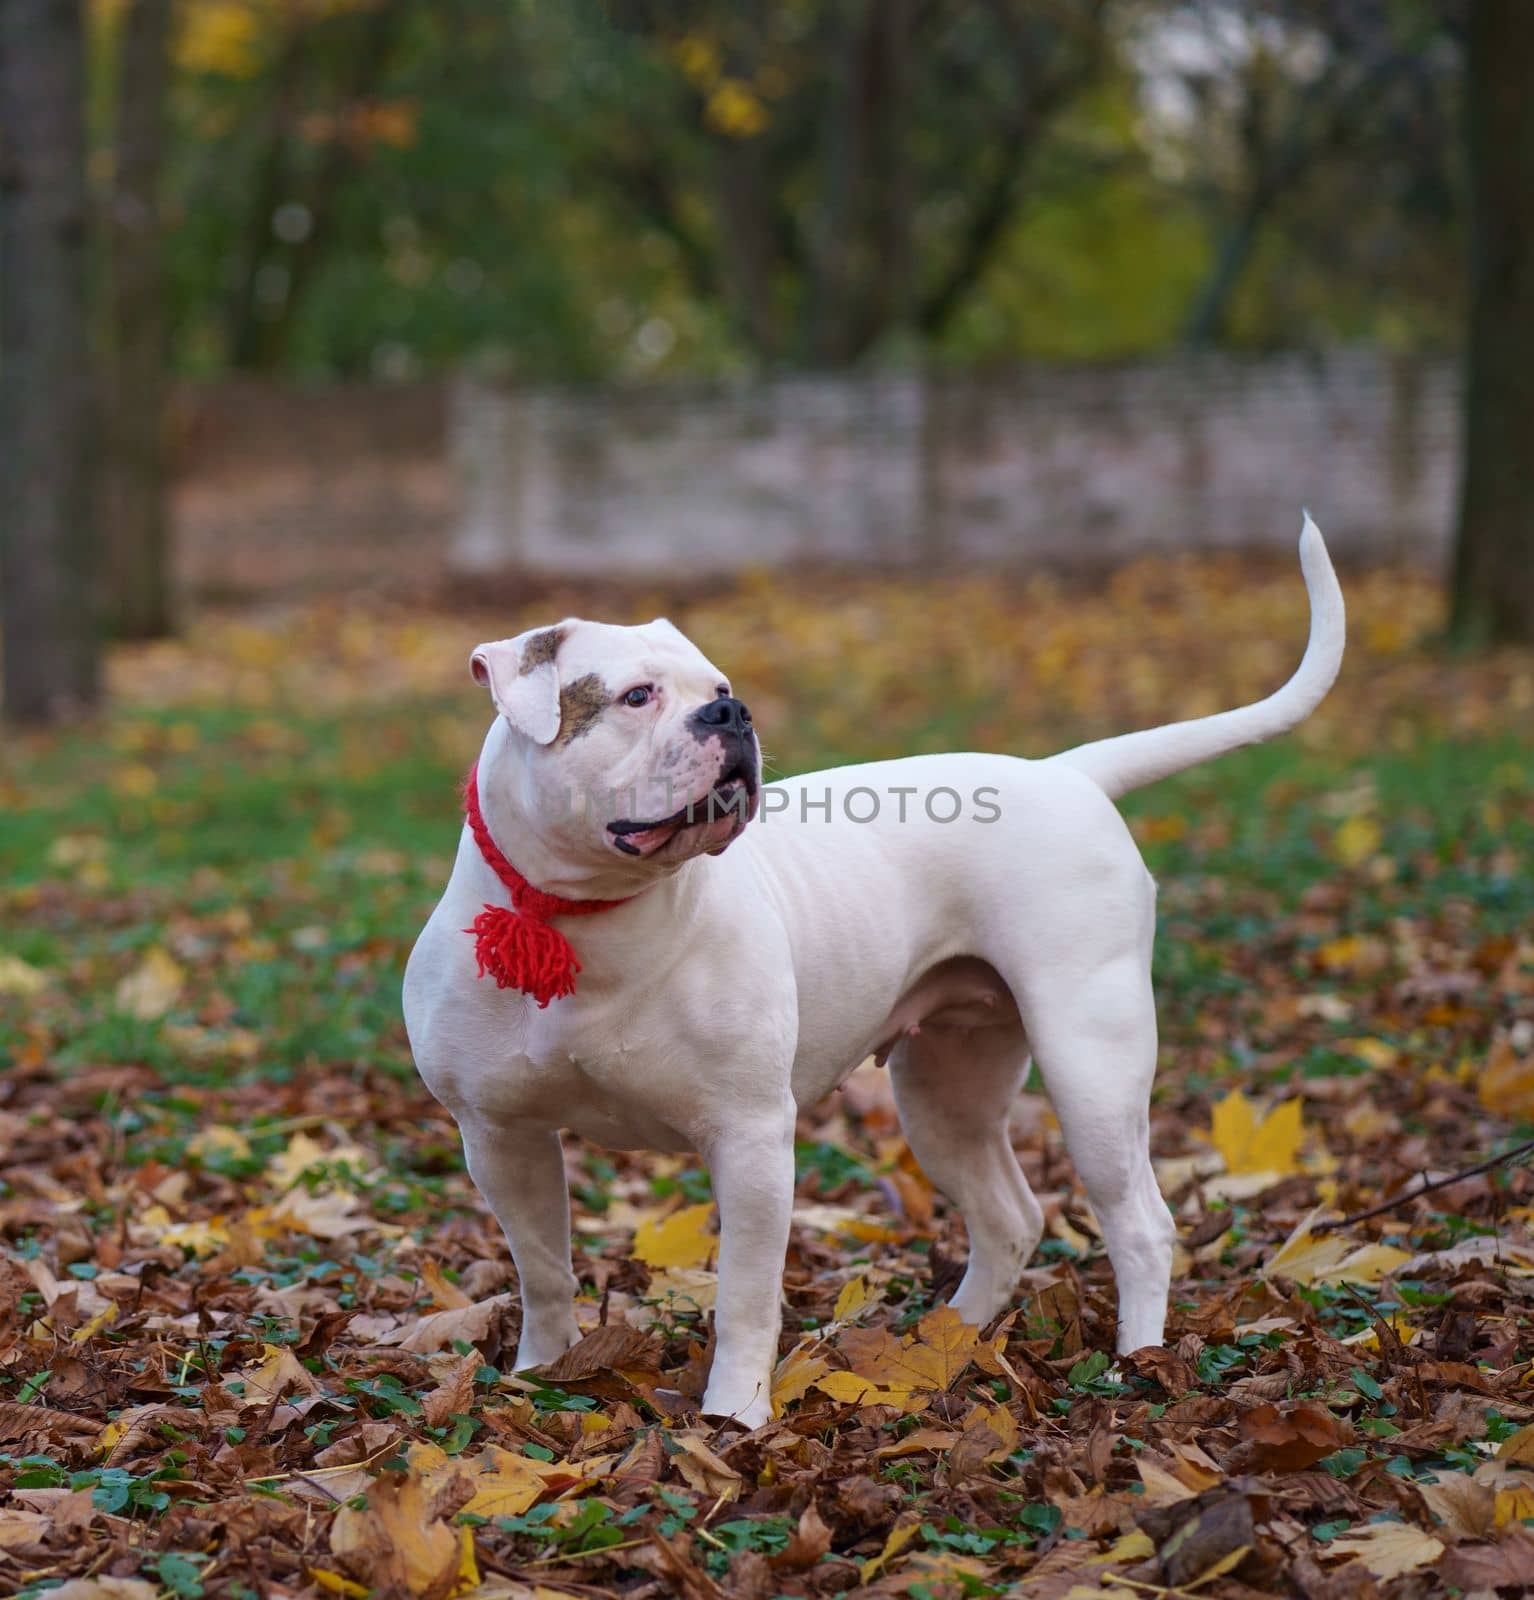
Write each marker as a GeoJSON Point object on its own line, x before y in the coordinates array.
{"type": "Point", "coordinates": [540, 648]}
{"type": "Point", "coordinates": [581, 703]}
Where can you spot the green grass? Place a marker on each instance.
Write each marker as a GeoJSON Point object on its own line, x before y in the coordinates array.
{"type": "Point", "coordinates": [288, 864]}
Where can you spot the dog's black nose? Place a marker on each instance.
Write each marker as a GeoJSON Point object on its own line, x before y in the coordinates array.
{"type": "Point", "coordinates": [726, 713]}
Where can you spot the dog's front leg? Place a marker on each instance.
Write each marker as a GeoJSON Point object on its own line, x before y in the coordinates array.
{"type": "Point", "coordinates": [520, 1170]}
{"type": "Point", "coordinates": [753, 1172]}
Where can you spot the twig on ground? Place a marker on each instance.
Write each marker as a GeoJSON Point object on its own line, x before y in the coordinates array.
{"type": "Point", "coordinates": [1527, 1148]}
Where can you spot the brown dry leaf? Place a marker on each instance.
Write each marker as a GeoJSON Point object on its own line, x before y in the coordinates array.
{"type": "Point", "coordinates": [454, 1395]}
{"type": "Point", "coordinates": [702, 1469]}
{"type": "Point", "coordinates": [990, 1436]}
{"type": "Point", "coordinates": [919, 1440]}
{"type": "Point", "coordinates": [1506, 1083]}
{"type": "Point", "coordinates": [1481, 1568]}
{"type": "Point", "coordinates": [1199, 1539]}
{"type": "Point", "coordinates": [1466, 1509]}
{"type": "Point", "coordinates": [930, 1358]}
{"type": "Point", "coordinates": [1179, 1474]}
{"type": "Point", "coordinates": [398, 1540]}
{"type": "Point", "coordinates": [807, 1544]}
{"type": "Point", "coordinates": [18, 977]}
{"type": "Point", "coordinates": [446, 1296]}
{"type": "Point", "coordinates": [1288, 1437]}
{"type": "Point", "coordinates": [671, 1561]}
{"type": "Point", "coordinates": [21, 1530]}
{"type": "Point", "coordinates": [613, 1347]}
{"type": "Point", "coordinates": [439, 1329]}
{"type": "Point", "coordinates": [1513, 1488]}
{"type": "Point", "coordinates": [327, 1214]}
{"type": "Point", "coordinates": [104, 1588]}
{"type": "Point", "coordinates": [277, 1373]}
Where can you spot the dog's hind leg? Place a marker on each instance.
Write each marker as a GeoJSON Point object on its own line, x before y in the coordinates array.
{"type": "Point", "coordinates": [953, 1088]}
{"type": "Point", "coordinates": [519, 1168]}
{"type": "Point", "coordinates": [1094, 1038]}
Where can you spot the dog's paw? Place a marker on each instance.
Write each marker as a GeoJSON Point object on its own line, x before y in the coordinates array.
{"type": "Point", "coordinates": [748, 1414]}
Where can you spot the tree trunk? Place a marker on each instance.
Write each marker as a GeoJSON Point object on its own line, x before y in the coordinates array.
{"type": "Point", "coordinates": [1494, 558]}
{"type": "Point", "coordinates": [47, 576]}
{"type": "Point", "coordinates": [138, 596]}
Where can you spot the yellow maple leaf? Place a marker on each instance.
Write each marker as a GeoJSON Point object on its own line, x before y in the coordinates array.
{"type": "Point", "coordinates": [103, 1319]}
{"type": "Point", "coordinates": [334, 1583]}
{"type": "Point", "coordinates": [330, 1214]}
{"type": "Point", "coordinates": [20, 977]}
{"type": "Point", "coordinates": [152, 988]}
{"type": "Point", "coordinates": [201, 1238]}
{"type": "Point", "coordinates": [1387, 1549]}
{"type": "Point", "coordinates": [885, 1370]}
{"type": "Point", "coordinates": [794, 1375]}
{"type": "Point", "coordinates": [398, 1540]}
{"type": "Point", "coordinates": [218, 1139]}
{"type": "Point", "coordinates": [898, 1538]}
{"type": "Point", "coordinates": [304, 1154]}
{"type": "Point", "coordinates": [1307, 1257]}
{"type": "Point", "coordinates": [684, 1239]}
{"type": "Point", "coordinates": [1252, 1144]}
{"type": "Point", "coordinates": [856, 1295]}
{"type": "Point", "coordinates": [1356, 839]}
{"type": "Point", "coordinates": [1505, 1084]}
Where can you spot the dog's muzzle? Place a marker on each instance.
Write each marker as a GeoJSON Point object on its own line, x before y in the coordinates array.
{"type": "Point", "coordinates": [714, 819]}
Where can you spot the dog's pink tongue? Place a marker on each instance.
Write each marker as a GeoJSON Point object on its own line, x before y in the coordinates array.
{"type": "Point", "coordinates": [648, 840]}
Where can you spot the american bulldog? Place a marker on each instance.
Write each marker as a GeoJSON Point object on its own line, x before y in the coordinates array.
{"type": "Point", "coordinates": [641, 943]}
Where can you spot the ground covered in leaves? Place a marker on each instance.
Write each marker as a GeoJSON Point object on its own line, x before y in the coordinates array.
{"type": "Point", "coordinates": [254, 1323]}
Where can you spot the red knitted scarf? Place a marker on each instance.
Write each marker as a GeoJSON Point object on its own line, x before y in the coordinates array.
{"type": "Point", "coordinates": [514, 944]}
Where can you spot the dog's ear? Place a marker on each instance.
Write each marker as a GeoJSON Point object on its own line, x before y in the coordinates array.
{"type": "Point", "coordinates": [523, 680]}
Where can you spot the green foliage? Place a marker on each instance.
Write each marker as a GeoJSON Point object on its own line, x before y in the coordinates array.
{"type": "Point", "coordinates": [599, 190]}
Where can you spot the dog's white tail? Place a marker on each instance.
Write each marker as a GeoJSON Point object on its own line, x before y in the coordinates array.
{"type": "Point", "coordinates": [1135, 759]}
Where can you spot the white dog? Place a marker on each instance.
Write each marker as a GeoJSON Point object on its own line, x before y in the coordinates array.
{"type": "Point", "coordinates": [952, 914]}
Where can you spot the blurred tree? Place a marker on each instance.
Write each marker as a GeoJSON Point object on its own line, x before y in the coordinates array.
{"type": "Point", "coordinates": [1327, 121]}
{"type": "Point", "coordinates": [135, 523]}
{"type": "Point", "coordinates": [1494, 558]}
{"type": "Point", "coordinates": [47, 572]}
{"type": "Point", "coordinates": [610, 188]}
{"type": "Point", "coordinates": [843, 172]}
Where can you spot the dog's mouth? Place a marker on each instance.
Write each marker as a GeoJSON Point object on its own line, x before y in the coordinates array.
{"type": "Point", "coordinates": [710, 823]}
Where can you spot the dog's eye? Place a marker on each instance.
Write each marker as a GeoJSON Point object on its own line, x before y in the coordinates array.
{"type": "Point", "coordinates": [723, 691]}
{"type": "Point", "coordinates": [639, 695]}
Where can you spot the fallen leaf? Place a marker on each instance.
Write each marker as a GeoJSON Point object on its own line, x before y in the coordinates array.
{"type": "Point", "coordinates": [1387, 1549]}
{"type": "Point", "coordinates": [1252, 1144]}
{"type": "Point", "coordinates": [1288, 1437]}
{"type": "Point", "coordinates": [18, 977]}
{"type": "Point", "coordinates": [895, 1541]}
{"type": "Point", "coordinates": [152, 988]}
{"type": "Point", "coordinates": [702, 1469]}
{"type": "Point", "coordinates": [439, 1329]}
{"type": "Point", "coordinates": [1356, 839]}
{"type": "Point", "coordinates": [396, 1539]}
{"type": "Point", "coordinates": [684, 1239]}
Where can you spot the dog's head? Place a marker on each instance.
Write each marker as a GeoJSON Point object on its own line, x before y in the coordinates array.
{"type": "Point", "coordinates": [632, 744]}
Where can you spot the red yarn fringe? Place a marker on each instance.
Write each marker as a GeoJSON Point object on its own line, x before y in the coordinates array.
{"type": "Point", "coordinates": [515, 944]}
{"type": "Point", "coordinates": [520, 953]}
